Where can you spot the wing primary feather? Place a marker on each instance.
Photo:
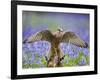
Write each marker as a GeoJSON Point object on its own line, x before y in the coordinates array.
{"type": "Point", "coordinates": [86, 45]}
{"type": "Point", "coordinates": [24, 41]}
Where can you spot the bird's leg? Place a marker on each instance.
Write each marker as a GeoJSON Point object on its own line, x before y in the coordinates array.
{"type": "Point", "coordinates": [59, 64]}
{"type": "Point", "coordinates": [62, 58]}
{"type": "Point", "coordinates": [46, 58]}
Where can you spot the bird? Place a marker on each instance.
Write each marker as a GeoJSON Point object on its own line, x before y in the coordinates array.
{"type": "Point", "coordinates": [55, 38]}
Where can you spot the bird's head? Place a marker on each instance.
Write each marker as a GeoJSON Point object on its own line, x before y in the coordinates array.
{"type": "Point", "coordinates": [60, 29]}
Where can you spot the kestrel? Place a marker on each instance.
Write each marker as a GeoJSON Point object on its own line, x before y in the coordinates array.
{"type": "Point", "coordinates": [55, 39]}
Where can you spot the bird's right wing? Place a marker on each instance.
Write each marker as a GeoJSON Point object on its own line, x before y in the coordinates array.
{"type": "Point", "coordinates": [42, 35]}
{"type": "Point", "coordinates": [74, 39]}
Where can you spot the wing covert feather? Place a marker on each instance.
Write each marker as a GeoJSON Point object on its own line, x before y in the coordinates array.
{"type": "Point", "coordinates": [74, 39]}
{"type": "Point", "coordinates": [42, 35]}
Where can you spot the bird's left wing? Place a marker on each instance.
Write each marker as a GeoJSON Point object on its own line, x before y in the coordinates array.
{"type": "Point", "coordinates": [42, 35]}
{"type": "Point", "coordinates": [74, 39]}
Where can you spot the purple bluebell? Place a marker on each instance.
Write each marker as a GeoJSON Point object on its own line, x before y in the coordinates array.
{"type": "Point", "coordinates": [85, 51]}
{"type": "Point", "coordinates": [38, 62]}
{"type": "Point", "coordinates": [82, 61]}
{"type": "Point", "coordinates": [70, 49]}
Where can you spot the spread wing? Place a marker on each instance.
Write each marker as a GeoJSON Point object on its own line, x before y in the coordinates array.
{"type": "Point", "coordinates": [74, 39]}
{"type": "Point", "coordinates": [42, 35]}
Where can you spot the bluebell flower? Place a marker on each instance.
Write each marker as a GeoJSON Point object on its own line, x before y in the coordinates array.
{"type": "Point", "coordinates": [82, 61]}
{"type": "Point", "coordinates": [39, 62]}
{"type": "Point", "coordinates": [85, 51]}
{"type": "Point", "coordinates": [70, 49]}
{"type": "Point", "coordinates": [33, 57]}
